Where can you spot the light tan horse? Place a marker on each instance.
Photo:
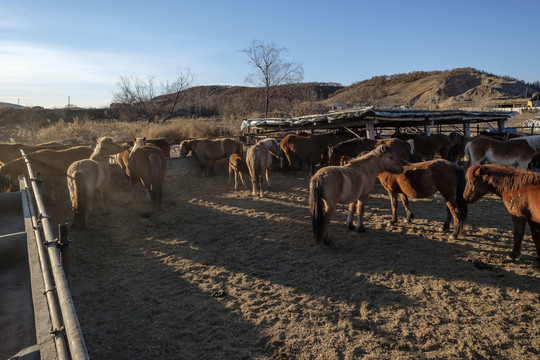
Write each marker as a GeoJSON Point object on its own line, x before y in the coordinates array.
{"type": "Point", "coordinates": [239, 168]}
{"type": "Point", "coordinates": [11, 151]}
{"type": "Point", "coordinates": [210, 150]}
{"type": "Point", "coordinates": [259, 160]}
{"type": "Point", "coordinates": [147, 164]}
{"type": "Point", "coordinates": [88, 178]}
{"type": "Point", "coordinates": [350, 184]}
{"type": "Point", "coordinates": [517, 152]}
{"type": "Point", "coordinates": [51, 165]}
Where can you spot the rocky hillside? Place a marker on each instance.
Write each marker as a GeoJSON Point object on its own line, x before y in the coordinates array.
{"type": "Point", "coordinates": [458, 88]}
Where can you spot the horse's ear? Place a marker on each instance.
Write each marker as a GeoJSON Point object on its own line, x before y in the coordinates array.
{"type": "Point", "coordinates": [479, 170]}
{"type": "Point", "coordinates": [144, 139]}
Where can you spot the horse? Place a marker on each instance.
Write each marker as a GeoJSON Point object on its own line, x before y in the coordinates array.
{"type": "Point", "coordinates": [90, 177]}
{"type": "Point", "coordinates": [350, 184]}
{"type": "Point", "coordinates": [146, 163]}
{"type": "Point", "coordinates": [520, 193]}
{"type": "Point", "coordinates": [210, 150]}
{"type": "Point", "coordinates": [239, 168]}
{"type": "Point", "coordinates": [51, 165]}
{"type": "Point", "coordinates": [428, 146]}
{"type": "Point", "coordinates": [5, 184]}
{"type": "Point", "coordinates": [355, 147]}
{"type": "Point", "coordinates": [517, 152]}
{"type": "Point", "coordinates": [312, 148]}
{"type": "Point", "coordinates": [457, 150]}
{"type": "Point", "coordinates": [422, 180]}
{"type": "Point", "coordinates": [11, 151]}
{"type": "Point", "coordinates": [259, 160]}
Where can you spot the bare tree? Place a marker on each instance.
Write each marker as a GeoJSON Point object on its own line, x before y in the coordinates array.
{"type": "Point", "coordinates": [270, 68]}
{"type": "Point", "coordinates": [141, 98]}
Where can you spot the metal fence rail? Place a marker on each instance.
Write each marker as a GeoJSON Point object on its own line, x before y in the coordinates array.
{"type": "Point", "coordinates": [67, 324]}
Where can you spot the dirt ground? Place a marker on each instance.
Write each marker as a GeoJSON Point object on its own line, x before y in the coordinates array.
{"type": "Point", "coordinates": [219, 274]}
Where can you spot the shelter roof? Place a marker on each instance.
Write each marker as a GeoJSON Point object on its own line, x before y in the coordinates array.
{"type": "Point", "coordinates": [359, 117]}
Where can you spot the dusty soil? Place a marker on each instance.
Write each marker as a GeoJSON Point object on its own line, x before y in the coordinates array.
{"type": "Point", "coordinates": [219, 274]}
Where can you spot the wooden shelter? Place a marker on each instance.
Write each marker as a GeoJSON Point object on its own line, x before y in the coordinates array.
{"type": "Point", "coordinates": [370, 118]}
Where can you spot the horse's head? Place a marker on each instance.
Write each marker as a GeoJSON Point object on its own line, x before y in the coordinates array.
{"type": "Point", "coordinates": [108, 146]}
{"type": "Point", "coordinates": [476, 186]}
{"type": "Point", "coordinates": [388, 159]}
{"type": "Point", "coordinates": [185, 147]}
{"type": "Point", "coordinates": [334, 157]}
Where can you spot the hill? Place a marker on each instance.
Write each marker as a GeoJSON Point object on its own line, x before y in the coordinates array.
{"type": "Point", "coordinates": [457, 88]}
{"type": "Point", "coordinates": [15, 106]}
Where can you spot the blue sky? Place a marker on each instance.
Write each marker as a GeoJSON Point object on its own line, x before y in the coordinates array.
{"type": "Point", "coordinates": [50, 50]}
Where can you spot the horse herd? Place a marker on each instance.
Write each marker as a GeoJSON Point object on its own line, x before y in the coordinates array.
{"type": "Point", "coordinates": [348, 170]}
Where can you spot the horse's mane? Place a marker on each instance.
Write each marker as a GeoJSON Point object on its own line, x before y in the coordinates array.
{"type": "Point", "coordinates": [504, 177]}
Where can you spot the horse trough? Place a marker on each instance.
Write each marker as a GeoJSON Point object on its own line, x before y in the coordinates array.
{"type": "Point", "coordinates": [37, 316]}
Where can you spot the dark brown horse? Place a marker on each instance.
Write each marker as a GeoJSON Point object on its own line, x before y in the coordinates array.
{"type": "Point", "coordinates": [355, 147]}
{"type": "Point", "coordinates": [350, 184]}
{"type": "Point", "coordinates": [422, 180]}
{"type": "Point", "coordinates": [520, 193]}
{"type": "Point", "coordinates": [312, 148]}
{"type": "Point", "coordinates": [428, 146]}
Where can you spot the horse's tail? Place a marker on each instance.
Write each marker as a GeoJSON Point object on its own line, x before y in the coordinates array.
{"type": "Point", "coordinates": [316, 207]}
{"type": "Point", "coordinates": [460, 200]}
{"type": "Point", "coordinates": [155, 185]}
{"type": "Point", "coordinates": [78, 201]}
{"type": "Point", "coordinates": [413, 150]}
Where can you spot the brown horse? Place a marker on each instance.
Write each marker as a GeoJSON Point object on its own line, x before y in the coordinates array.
{"type": "Point", "coordinates": [355, 147]}
{"type": "Point", "coordinates": [210, 150]}
{"type": "Point", "coordinates": [520, 193]}
{"type": "Point", "coordinates": [90, 177]}
{"type": "Point", "coordinates": [5, 184]}
{"type": "Point", "coordinates": [50, 164]}
{"type": "Point", "coordinates": [239, 168]}
{"type": "Point", "coordinates": [350, 184]}
{"type": "Point", "coordinates": [146, 163]}
{"type": "Point", "coordinates": [428, 146]}
{"type": "Point", "coordinates": [313, 148]}
{"type": "Point", "coordinates": [516, 152]}
{"type": "Point", "coordinates": [422, 180]}
{"type": "Point", "coordinates": [457, 150]}
{"type": "Point", "coordinates": [259, 161]}
{"type": "Point", "coordinates": [11, 151]}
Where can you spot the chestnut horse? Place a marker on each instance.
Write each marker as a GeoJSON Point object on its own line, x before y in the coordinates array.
{"type": "Point", "coordinates": [90, 177]}
{"type": "Point", "coordinates": [422, 180]}
{"type": "Point", "coordinates": [350, 184]}
{"type": "Point", "coordinates": [210, 150]}
{"type": "Point", "coordinates": [355, 147]}
{"type": "Point", "coordinates": [51, 165]}
{"type": "Point", "coordinates": [146, 163]}
{"type": "Point", "coordinates": [516, 152]}
{"type": "Point", "coordinates": [313, 148]}
{"type": "Point", "coordinates": [520, 193]}
{"type": "Point", "coordinates": [428, 146]}
{"type": "Point", "coordinates": [11, 151]}
{"type": "Point", "coordinates": [239, 168]}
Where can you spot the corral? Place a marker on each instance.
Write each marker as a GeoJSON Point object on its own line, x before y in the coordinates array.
{"type": "Point", "coordinates": [219, 274]}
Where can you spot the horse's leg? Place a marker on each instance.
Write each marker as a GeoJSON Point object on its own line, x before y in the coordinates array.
{"type": "Point", "coordinates": [535, 232]}
{"type": "Point", "coordinates": [394, 203]}
{"type": "Point", "coordinates": [452, 210]}
{"type": "Point", "coordinates": [360, 207]}
{"type": "Point", "coordinates": [519, 231]}
{"type": "Point", "coordinates": [242, 179]}
{"type": "Point", "coordinates": [268, 184]}
{"type": "Point", "coordinates": [352, 210]}
{"type": "Point", "coordinates": [105, 198]}
{"type": "Point", "coordinates": [405, 202]}
{"type": "Point", "coordinates": [329, 211]}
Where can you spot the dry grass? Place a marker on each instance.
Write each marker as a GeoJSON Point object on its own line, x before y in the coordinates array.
{"type": "Point", "coordinates": [86, 131]}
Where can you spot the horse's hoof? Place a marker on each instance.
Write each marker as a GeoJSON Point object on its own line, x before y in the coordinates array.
{"type": "Point", "coordinates": [351, 226]}
{"type": "Point", "coordinates": [391, 223]}
{"type": "Point", "coordinates": [453, 237]}
{"type": "Point", "coordinates": [361, 229]}
{"type": "Point", "coordinates": [512, 257]}
{"type": "Point", "coordinates": [409, 220]}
